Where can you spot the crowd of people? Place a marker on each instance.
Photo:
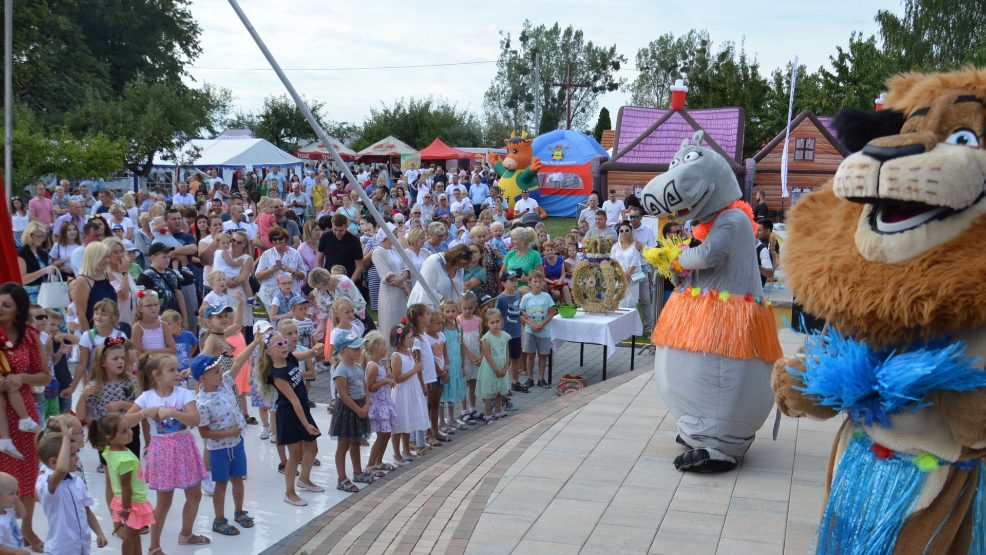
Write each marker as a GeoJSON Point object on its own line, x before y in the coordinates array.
{"type": "Point", "coordinates": [190, 310]}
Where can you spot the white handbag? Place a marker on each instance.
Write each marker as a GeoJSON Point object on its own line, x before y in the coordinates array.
{"type": "Point", "coordinates": [54, 292]}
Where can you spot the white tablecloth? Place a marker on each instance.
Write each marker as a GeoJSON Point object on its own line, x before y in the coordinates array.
{"type": "Point", "coordinates": [600, 329]}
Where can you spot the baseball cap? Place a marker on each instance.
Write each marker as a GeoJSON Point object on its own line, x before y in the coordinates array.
{"type": "Point", "coordinates": [261, 327]}
{"type": "Point", "coordinates": [381, 235]}
{"type": "Point", "coordinates": [296, 300]}
{"type": "Point", "coordinates": [513, 274]}
{"type": "Point", "coordinates": [213, 309]}
{"type": "Point", "coordinates": [157, 248]}
{"type": "Point", "coordinates": [202, 364]}
{"type": "Point", "coordinates": [118, 227]}
{"type": "Point", "coordinates": [347, 340]}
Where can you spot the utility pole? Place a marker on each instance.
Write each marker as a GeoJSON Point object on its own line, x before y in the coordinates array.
{"type": "Point", "coordinates": [568, 86]}
{"type": "Point", "coordinates": [537, 93]}
{"type": "Point", "coordinates": [8, 97]}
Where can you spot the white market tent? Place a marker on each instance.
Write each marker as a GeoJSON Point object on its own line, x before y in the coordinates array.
{"type": "Point", "coordinates": [227, 156]}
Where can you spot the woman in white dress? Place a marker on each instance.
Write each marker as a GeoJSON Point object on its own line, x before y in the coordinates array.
{"type": "Point", "coordinates": [443, 273]}
{"type": "Point", "coordinates": [415, 249]}
{"type": "Point", "coordinates": [625, 252]}
{"type": "Point", "coordinates": [394, 283]}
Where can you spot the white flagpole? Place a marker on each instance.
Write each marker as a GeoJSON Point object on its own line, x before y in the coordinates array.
{"type": "Point", "coordinates": [324, 137]}
{"type": "Point", "coordinates": [787, 130]}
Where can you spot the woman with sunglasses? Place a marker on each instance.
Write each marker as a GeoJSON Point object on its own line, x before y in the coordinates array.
{"type": "Point", "coordinates": [625, 252]}
{"type": "Point", "coordinates": [33, 259]}
{"type": "Point", "coordinates": [276, 261]}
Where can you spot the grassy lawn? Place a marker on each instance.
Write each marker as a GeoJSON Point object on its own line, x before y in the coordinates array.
{"type": "Point", "coordinates": [558, 228]}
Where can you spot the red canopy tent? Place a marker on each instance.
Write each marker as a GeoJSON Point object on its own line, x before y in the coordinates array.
{"type": "Point", "coordinates": [438, 150]}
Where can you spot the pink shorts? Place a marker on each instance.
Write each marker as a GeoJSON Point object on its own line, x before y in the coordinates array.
{"type": "Point", "coordinates": [141, 514]}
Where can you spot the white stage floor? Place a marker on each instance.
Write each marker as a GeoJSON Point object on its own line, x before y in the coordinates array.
{"type": "Point", "coordinates": [274, 519]}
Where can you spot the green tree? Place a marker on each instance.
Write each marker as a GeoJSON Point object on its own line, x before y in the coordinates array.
{"type": "Point", "coordinates": [63, 48]}
{"type": "Point", "coordinates": [664, 60]}
{"type": "Point", "coordinates": [418, 121]}
{"type": "Point", "coordinates": [934, 34]}
{"type": "Point", "coordinates": [855, 78]}
{"type": "Point", "coordinates": [602, 124]}
{"type": "Point", "coordinates": [152, 117]}
{"type": "Point", "coordinates": [282, 123]}
{"type": "Point", "coordinates": [511, 97]}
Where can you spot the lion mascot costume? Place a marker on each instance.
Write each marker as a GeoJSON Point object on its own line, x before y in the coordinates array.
{"type": "Point", "coordinates": [716, 338]}
{"type": "Point", "coordinates": [892, 255]}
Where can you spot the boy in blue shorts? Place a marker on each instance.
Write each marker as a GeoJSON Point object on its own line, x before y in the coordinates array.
{"type": "Point", "coordinates": [221, 424]}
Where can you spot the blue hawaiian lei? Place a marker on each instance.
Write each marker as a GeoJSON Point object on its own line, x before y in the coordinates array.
{"type": "Point", "coordinates": [870, 385]}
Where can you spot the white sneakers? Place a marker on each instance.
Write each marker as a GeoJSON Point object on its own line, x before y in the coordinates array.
{"type": "Point", "coordinates": [7, 446]}
{"type": "Point", "coordinates": [208, 486]}
{"type": "Point", "coordinates": [28, 425]}
{"type": "Point", "coordinates": [265, 433]}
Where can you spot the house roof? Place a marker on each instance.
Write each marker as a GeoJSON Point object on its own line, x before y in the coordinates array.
{"type": "Point", "coordinates": [653, 135]}
{"type": "Point", "coordinates": [824, 125]}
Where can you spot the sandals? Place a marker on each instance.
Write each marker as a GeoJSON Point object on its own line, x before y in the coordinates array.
{"type": "Point", "coordinates": [432, 442]}
{"type": "Point", "coordinates": [251, 420]}
{"type": "Point", "coordinates": [116, 529]}
{"type": "Point", "coordinates": [222, 526]}
{"type": "Point", "coordinates": [347, 486]}
{"type": "Point", "coordinates": [155, 551]}
{"type": "Point", "coordinates": [243, 519]}
{"type": "Point", "coordinates": [363, 478]}
{"type": "Point", "coordinates": [386, 466]}
{"type": "Point", "coordinates": [193, 540]}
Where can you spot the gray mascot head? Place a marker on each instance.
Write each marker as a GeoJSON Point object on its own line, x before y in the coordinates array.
{"type": "Point", "coordinates": [698, 183]}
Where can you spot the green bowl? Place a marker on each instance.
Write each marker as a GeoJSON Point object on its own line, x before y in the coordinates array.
{"type": "Point", "coordinates": [566, 310]}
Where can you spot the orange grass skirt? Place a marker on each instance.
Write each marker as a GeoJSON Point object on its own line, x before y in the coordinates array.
{"type": "Point", "coordinates": [718, 323]}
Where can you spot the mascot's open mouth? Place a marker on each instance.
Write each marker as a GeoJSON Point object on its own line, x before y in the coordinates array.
{"type": "Point", "coordinates": [896, 216]}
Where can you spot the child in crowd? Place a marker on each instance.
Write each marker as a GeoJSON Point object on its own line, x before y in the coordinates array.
{"type": "Point", "coordinates": [222, 426]}
{"type": "Point", "coordinates": [112, 390]}
{"type": "Point", "coordinates": [218, 293]}
{"type": "Point", "coordinates": [497, 246]}
{"type": "Point", "coordinates": [299, 307]}
{"type": "Point", "coordinates": [419, 316]}
{"type": "Point", "coordinates": [61, 347]}
{"type": "Point", "coordinates": [289, 330]}
{"type": "Point", "coordinates": [104, 319]}
{"type": "Point", "coordinates": [492, 385]}
{"type": "Point", "coordinates": [186, 344]}
{"type": "Point", "coordinates": [350, 422]}
{"type": "Point", "coordinates": [24, 423]}
{"type": "Point", "coordinates": [257, 398]}
{"type": "Point", "coordinates": [74, 428]}
{"type": "Point", "coordinates": [536, 311]}
{"type": "Point", "coordinates": [173, 458]}
{"type": "Point", "coordinates": [130, 508]}
{"type": "Point", "coordinates": [382, 415]}
{"type": "Point", "coordinates": [149, 335]}
{"type": "Point", "coordinates": [472, 356]}
{"type": "Point", "coordinates": [64, 497]}
{"type": "Point", "coordinates": [11, 539]}
{"type": "Point", "coordinates": [508, 303]}
{"type": "Point", "coordinates": [278, 369]}
{"type": "Point", "coordinates": [343, 320]}
{"type": "Point", "coordinates": [410, 394]}
{"type": "Point", "coordinates": [281, 300]}
{"type": "Point", "coordinates": [455, 390]}
{"type": "Point", "coordinates": [436, 339]}
{"type": "Point", "coordinates": [265, 220]}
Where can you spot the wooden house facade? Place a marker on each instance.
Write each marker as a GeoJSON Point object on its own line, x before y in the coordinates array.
{"type": "Point", "coordinates": [814, 154]}
{"type": "Point", "coordinates": [646, 140]}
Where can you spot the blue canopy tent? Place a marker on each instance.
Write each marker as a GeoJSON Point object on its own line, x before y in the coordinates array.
{"type": "Point", "coordinates": [570, 167]}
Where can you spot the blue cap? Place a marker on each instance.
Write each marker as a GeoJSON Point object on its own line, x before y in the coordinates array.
{"type": "Point", "coordinates": [347, 340]}
{"type": "Point", "coordinates": [202, 364]}
{"type": "Point", "coordinates": [296, 300]}
{"type": "Point", "coordinates": [513, 274]}
{"type": "Point", "coordinates": [213, 309]}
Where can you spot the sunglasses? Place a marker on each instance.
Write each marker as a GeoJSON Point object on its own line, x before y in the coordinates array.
{"type": "Point", "coordinates": [625, 230]}
{"type": "Point", "coordinates": [632, 217]}
{"type": "Point", "coordinates": [279, 240]}
{"type": "Point", "coordinates": [41, 317]}
{"type": "Point", "coordinates": [280, 343]}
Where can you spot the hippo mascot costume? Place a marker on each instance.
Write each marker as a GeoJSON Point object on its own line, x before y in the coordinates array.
{"type": "Point", "coordinates": [716, 340]}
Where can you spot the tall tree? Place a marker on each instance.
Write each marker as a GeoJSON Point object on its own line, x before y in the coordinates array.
{"type": "Point", "coordinates": [856, 76]}
{"type": "Point", "coordinates": [934, 34]}
{"type": "Point", "coordinates": [511, 97]}
{"type": "Point", "coordinates": [664, 60]}
{"type": "Point", "coordinates": [65, 47]}
{"type": "Point", "coordinates": [418, 121]}
{"type": "Point", "coordinates": [153, 117]}
{"type": "Point", "coordinates": [282, 123]}
{"type": "Point", "coordinates": [602, 124]}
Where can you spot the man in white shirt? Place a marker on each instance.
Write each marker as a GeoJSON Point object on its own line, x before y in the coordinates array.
{"type": "Point", "coordinates": [589, 212]}
{"type": "Point", "coordinates": [309, 182]}
{"type": "Point", "coordinates": [644, 236]}
{"type": "Point", "coordinates": [237, 222]}
{"type": "Point", "coordinates": [298, 201]}
{"type": "Point", "coordinates": [213, 179]}
{"type": "Point", "coordinates": [183, 197]}
{"type": "Point", "coordinates": [461, 204]}
{"type": "Point", "coordinates": [613, 207]}
{"type": "Point", "coordinates": [524, 205]}
{"type": "Point", "coordinates": [457, 185]}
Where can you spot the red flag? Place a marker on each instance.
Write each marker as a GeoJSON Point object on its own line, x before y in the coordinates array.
{"type": "Point", "coordinates": [9, 270]}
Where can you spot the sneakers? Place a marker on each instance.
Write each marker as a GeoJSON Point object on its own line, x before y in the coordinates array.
{"type": "Point", "coordinates": [311, 404]}
{"type": "Point", "coordinates": [265, 433]}
{"type": "Point", "coordinates": [509, 407]}
{"type": "Point", "coordinates": [273, 437]}
{"type": "Point", "coordinates": [7, 446]}
{"type": "Point", "coordinates": [517, 386]}
{"type": "Point", "coordinates": [490, 420]}
{"type": "Point", "coordinates": [529, 383]}
{"type": "Point", "coordinates": [544, 384]}
{"type": "Point", "coordinates": [28, 425]}
{"type": "Point", "coordinates": [208, 486]}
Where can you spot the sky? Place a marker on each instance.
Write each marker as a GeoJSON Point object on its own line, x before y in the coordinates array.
{"type": "Point", "coordinates": [306, 36]}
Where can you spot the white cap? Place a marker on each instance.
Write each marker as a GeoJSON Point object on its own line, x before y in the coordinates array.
{"type": "Point", "coordinates": [261, 327]}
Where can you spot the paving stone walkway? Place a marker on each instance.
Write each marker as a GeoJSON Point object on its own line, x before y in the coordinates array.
{"type": "Point", "coordinates": [589, 472]}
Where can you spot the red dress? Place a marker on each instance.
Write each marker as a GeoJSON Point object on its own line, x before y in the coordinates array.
{"type": "Point", "coordinates": [24, 359]}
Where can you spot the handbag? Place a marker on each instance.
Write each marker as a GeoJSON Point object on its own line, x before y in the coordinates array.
{"type": "Point", "coordinates": [54, 292]}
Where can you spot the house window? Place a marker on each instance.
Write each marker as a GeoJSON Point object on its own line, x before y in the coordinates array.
{"type": "Point", "coordinates": [804, 149]}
